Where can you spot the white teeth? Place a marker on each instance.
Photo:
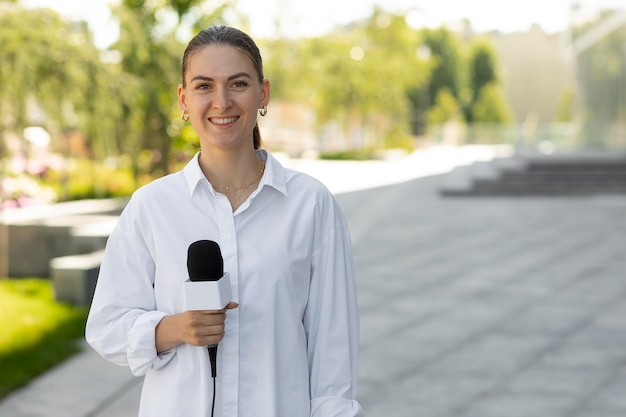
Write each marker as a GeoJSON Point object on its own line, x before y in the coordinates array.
{"type": "Point", "coordinates": [223, 121]}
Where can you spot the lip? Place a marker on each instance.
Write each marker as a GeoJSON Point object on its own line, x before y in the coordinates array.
{"type": "Point", "coordinates": [223, 120]}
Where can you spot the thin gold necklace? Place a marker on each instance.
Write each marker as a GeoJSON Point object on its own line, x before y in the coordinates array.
{"type": "Point", "coordinates": [241, 187]}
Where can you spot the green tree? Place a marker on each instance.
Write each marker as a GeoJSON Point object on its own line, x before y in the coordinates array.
{"type": "Point", "coordinates": [449, 65]}
{"type": "Point", "coordinates": [446, 108]}
{"type": "Point", "coordinates": [150, 76]}
{"type": "Point", "coordinates": [52, 81]}
{"type": "Point", "coordinates": [491, 106]}
{"type": "Point", "coordinates": [358, 75]}
{"type": "Point", "coordinates": [443, 52]}
{"type": "Point", "coordinates": [487, 101]}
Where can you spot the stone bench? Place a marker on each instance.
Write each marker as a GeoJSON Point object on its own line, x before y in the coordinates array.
{"type": "Point", "coordinates": [32, 245]}
{"type": "Point", "coordinates": [38, 234]}
{"type": "Point", "coordinates": [74, 277]}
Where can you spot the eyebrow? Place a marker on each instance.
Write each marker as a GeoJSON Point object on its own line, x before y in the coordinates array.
{"type": "Point", "coordinates": [232, 77]}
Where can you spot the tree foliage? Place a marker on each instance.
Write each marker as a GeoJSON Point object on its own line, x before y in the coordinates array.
{"type": "Point", "coordinates": [358, 75]}
{"type": "Point", "coordinates": [148, 63]}
{"type": "Point", "coordinates": [370, 75]}
{"type": "Point", "coordinates": [442, 50]}
{"type": "Point", "coordinates": [50, 73]}
{"type": "Point", "coordinates": [446, 50]}
{"type": "Point", "coordinates": [490, 105]}
{"type": "Point", "coordinates": [123, 99]}
{"type": "Point", "coordinates": [446, 108]}
{"type": "Point", "coordinates": [487, 102]}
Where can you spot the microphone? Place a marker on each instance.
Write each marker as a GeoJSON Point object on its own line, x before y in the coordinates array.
{"type": "Point", "coordinates": [208, 287]}
{"type": "Point", "coordinates": [204, 261]}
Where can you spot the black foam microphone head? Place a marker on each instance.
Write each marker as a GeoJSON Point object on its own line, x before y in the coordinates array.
{"type": "Point", "coordinates": [204, 261]}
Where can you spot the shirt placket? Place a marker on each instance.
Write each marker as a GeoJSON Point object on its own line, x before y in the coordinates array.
{"type": "Point", "coordinates": [228, 352]}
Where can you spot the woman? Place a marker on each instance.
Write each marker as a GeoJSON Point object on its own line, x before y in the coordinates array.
{"type": "Point", "coordinates": [288, 344]}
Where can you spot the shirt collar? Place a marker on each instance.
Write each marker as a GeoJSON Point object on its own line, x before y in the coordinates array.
{"type": "Point", "coordinates": [274, 175]}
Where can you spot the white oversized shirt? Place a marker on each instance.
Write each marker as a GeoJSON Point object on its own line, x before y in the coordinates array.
{"type": "Point", "coordinates": [290, 348]}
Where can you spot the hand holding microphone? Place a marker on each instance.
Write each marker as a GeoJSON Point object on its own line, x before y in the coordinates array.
{"type": "Point", "coordinates": [207, 297]}
{"type": "Point", "coordinates": [208, 287]}
{"type": "Point", "coordinates": [203, 327]}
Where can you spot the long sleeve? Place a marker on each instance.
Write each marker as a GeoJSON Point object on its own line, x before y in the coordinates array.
{"type": "Point", "coordinates": [123, 314]}
{"type": "Point", "coordinates": [332, 325]}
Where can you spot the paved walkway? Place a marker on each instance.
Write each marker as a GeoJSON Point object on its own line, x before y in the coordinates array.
{"type": "Point", "coordinates": [470, 307]}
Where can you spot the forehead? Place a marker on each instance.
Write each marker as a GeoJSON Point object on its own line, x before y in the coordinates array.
{"type": "Point", "coordinates": [220, 61]}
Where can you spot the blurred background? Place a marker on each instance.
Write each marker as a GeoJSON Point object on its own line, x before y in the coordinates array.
{"type": "Point", "coordinates": [88, 113]}
{"type": "Point", "coordinates": [88, 88]}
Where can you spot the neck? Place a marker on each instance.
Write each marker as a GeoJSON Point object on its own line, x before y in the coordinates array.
{"type": "Point", "coordinates": [226, 169]}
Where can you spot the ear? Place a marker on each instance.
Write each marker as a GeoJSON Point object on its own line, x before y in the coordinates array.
{"type": "Point", "coordinates": [265, 93]}
{"type": "Point", "coordinates": [182, 98]}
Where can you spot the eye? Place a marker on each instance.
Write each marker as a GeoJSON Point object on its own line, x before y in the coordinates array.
{"type": "Point", "coordinates": [240, 84]}
{"type": "Point", "coordinates": [202, 86]}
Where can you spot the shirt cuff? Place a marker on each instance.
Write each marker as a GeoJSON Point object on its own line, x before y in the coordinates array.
{"type": "Point", "coordinates": [142, 355]}
{"type": "Point", "coordinates": [335, 407]}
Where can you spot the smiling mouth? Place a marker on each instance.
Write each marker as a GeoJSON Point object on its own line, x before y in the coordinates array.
{"type": "Point", "coordinates": [223, 120]}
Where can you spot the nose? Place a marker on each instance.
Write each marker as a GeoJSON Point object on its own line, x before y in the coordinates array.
{"type": "Point", "coordinates": [221, 99]}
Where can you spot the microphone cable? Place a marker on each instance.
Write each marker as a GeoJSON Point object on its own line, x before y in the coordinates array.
{"type": "Point", "coordinates": [213, 358]}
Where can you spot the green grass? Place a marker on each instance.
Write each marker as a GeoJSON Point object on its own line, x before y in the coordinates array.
{"type": "Point", "coordinates": [349, 155]}
{"type": "Point", "coordinates": [36, 332]}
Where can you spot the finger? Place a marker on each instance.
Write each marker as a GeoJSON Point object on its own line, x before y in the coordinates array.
{"type": "Point", "coordinates": [210, 319]}
{"type": "Point", "coordinates": [229, 306]}
{"type": "Point", "coordinates": [212, 330]}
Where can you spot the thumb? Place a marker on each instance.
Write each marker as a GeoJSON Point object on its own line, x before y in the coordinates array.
{"type": "Point", "coordinates": [232, 305]}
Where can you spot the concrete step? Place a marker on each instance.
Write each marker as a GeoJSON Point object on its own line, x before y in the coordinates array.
{"type": "Point", "coordinates": [560, 176]}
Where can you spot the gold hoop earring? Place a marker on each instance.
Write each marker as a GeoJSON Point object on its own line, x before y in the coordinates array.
{"type": "Point", "coordinates": [185, 116]}
{"type": "Point", "coordinates": [263, 111]}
